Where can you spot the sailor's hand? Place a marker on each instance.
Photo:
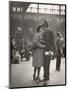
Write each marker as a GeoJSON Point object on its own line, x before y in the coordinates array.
{"type": "Point", "coordinates": [51, 53]}
{"type": "Point", "coordinates": [43, 46]}
{"type": "Point", "coordinates": [46, 53]}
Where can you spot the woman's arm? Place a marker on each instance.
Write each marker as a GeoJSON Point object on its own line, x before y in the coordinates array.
{"type": "Point", "coordinates": [40, 45]}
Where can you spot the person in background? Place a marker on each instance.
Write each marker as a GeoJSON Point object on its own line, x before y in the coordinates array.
{"type": "Point", "coordinates": [27, 50]}
{"type": "Point", "coordinates": [17, 57]}
{"type": "Point", "coordinates": [22, 49]}
{"type": "Point", "coordinates": [38, 53]}
{"type": "Point", "coordinates": [64, 52]}
{"type": "Point", "coordinates": [59, 50]}
{"type": "Point", "coordinates": [14, 49]}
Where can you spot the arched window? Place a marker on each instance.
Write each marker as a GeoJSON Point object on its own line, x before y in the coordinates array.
{"type": "Point", "coordinates": [42, 8]}
{"type": "Point", "coordinates": [32, 8]}
{"type": "Point", "coordinates": [62, 10]}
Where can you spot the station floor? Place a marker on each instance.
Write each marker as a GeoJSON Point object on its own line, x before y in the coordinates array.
{"type": "Point", "coordinates": [22, 74]}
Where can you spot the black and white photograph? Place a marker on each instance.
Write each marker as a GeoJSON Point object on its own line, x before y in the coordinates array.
{"type": "Point", "coordinates": [37, 44]}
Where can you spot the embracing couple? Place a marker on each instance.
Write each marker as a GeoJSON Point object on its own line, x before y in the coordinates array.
{"type": "Point", "coordinates": [43, 48]}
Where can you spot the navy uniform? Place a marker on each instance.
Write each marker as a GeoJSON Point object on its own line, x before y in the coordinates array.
{"type": "Point", "coordinates": [48, 38]}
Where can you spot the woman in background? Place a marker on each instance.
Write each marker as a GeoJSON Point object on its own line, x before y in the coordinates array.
{"type": "Point", "coordinates": [38, 53]}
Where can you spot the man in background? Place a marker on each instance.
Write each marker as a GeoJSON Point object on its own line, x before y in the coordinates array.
{"type": "Point", "coordinates": [59, 50]}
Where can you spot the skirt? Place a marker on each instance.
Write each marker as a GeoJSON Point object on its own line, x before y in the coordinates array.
{"type": "Point", "coordinates": [38, 57]}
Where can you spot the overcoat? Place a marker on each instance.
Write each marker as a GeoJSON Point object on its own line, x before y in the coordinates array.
{"type": "Point", "coordinates": [38, 51]}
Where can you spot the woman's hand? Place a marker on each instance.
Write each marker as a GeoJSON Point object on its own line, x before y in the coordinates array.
{"type": "Point", "coordinates": [43, 46]}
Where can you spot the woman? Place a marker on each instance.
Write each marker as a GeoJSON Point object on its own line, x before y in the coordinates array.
{"type": "Point", "coordinates": [38, 53]}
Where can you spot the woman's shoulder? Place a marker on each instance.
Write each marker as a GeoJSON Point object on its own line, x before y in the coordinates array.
{"type": "Point", "coordinates": [36, 34]}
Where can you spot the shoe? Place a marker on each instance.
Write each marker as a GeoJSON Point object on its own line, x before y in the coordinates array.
{"type": "Point", "coordinates": [46, 83]}
{"type": "Point", "coordinates": [58, 69]}
{"type": "Point", "coordinates": [48, 78]}
{"type": "Point", "coordinates": [45, 79]}
{"type": "Point", "coordinates": [34, 78]}
{"type": "Point", "coordinates": [38, 79]}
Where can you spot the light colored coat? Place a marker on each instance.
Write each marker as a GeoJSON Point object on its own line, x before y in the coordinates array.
{"type": "Point", "coordinates": [38, 53]}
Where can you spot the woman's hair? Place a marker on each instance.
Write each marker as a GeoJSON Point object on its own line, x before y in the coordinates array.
{"type": "Point", "coordinates": [38, 28]}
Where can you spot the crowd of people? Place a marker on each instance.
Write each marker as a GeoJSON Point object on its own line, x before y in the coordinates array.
{"type": "Point", "coordinates": [23, 51]}
{"type": "Point", "coordinates": [43, 49]}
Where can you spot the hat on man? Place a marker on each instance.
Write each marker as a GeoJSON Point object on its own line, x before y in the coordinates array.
{"type": "Point", "coordinates": [45, 24]}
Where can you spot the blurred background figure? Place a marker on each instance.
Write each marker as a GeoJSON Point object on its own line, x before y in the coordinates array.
{"type": "Point", "coordinates": [14, 49]}
{"type": "Point", "coordinates": [27, 49]}
{"type": "Point", "coordinates": [17, 57]}
{"type": "Point", "coordinates": [64, 52]}
{"type": "Point", "coordinates": [59, 50]}
{"type": "Point", "coordinates": [22, 49]}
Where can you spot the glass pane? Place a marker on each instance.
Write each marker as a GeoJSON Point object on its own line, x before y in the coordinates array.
{"type": "Point", "coordinates": [13, 9]}
{"type": "Point", "coordinates": [55, 7]}
{"type": "Point", "coordinates": [28, 10]}
{"type": "Point", "coordinates": [48, 6]}
{"type": "Point", "coordinates": [34, 5]}
{"type": "Point", "coordinates": [42, 8]}
{"type": "Point", "coordinates": [62, 7]}
{"type": "Point", "coordinates": [32, 8]}
{"type": "Point", "coordinates": [18, 9]}
{"type": "Point", "coordinates": [51, 11]}
{"type": "Point", "coordinates": [21, 9]}
{"type": "Point", "coordinates": [48, 11]}
{"type": "Point", "coordinates": [62, 12]}
{"type": "Point", "coordinates": [54, 11]}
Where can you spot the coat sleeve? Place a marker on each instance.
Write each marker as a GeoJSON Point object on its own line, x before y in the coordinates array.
{"type": "Point", "coordinates": [36, 42]}
{"type": "Point", "coordinates": [52, 43]}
